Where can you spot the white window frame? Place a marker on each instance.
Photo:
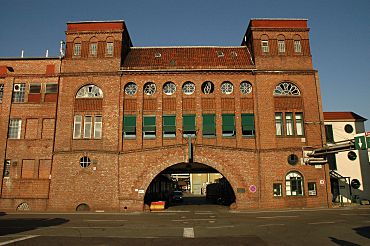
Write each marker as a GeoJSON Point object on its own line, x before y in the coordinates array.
{"type": "Point", "coordinates": [312, 192]}
{"type": "Point", "coordinates": [279, 192]}
{"type": "Point", "coordinates": [109, 49]}
{"type": "Point", "coordinates": [289, 179]}
{"type": "Point", "coordinates": [281, 46]}
{"type": "Point", "coordinates": [93, 49]}
{"type": "Point", "coordinates": [77, 126]}
{"type": "Point", "coordinates": [265, 46]}
{"type": "Point", "coordinates": [279, 124]}
{"type": "Point", "coordinates": [88, 126]}
{"type": "Point", "coordinates": [15, 128]}
{"type": "Point", "coordinates": [98, 126]}
{"type": "Point", "coordinates": [77, 49]}
{"type": "Point", "coordinates": [297, 46]}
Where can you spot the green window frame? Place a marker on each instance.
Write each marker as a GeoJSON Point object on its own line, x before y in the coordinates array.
{"type": "Point", "coordinates": [228, 125]}
{"type": "Point", "coordinates": [188, 125]}
{"type": "Point", "coordinates": [169, 126]}
{"type": "Point", "coordinates": [209, 125]}
{"type": "Point", "coordinates": [149, 127]}
{"type": "Point", "coordinates": [129, 126]}
{"type": "Point", "coordinates": [248, 125]}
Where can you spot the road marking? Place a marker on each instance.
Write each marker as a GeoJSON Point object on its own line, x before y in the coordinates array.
{"type": "Point", "coordinates": [355, 214]}
{"type": "Point", "coordinates": [188, 232]}
{"type": "Point", "coordinates": [276, 217]}
{"type": "Point", "coordinates": [323, 222]}
{"type": "Point", "coordinates": [105, 220]}
{"type": "Point", "coordinates": [199, 213]}
{"type": "Point", "coordinates": [191, 220]}
{"type": "Point", "coordinates": [220, 227]}
{"type": "Point", "coordinates": [18, 239]}
{"type": "Point", "coordinates": [272, 225]}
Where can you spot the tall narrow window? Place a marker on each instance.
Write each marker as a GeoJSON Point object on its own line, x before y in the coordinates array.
{"type": "Point", "coordinates": [299, 124]}
{"type": "Point", "coordinates": [209, 125]}
{"type": "Point", "coordinates": [18, 92]}
{"type": "Point", "coordinates": [149, 127]}
{"type": "Point", "coordinates": [109, 49]}
{"type": "Point", "coordinates": [77, 49]}
{"type": "Point", "coordinates": [265, 46]}
{"type": "Point", "coordinates": [297, 46]}
{"type": "Point", "coordinates": [93, 49]}
{"type": "Point", "coordinates": [169, 126]}
{"type": "Point", "coordinates": [312, 189]}
{"type": "Point", "coordinates": [248, 125]}
{"type": "Point", "coordinates": [228, 125]}
{"type": "Point", "coordinates": [15, 126]}
{"type": "Point", "coordinates": [294, 184]}
{"type": "Point", "coordinates": [98, 125]}
{"type": "Point", "coordinates": [188, 125]}
{"type": "Point", "coordinates": [289, 124]}
{"type": "Point", "coordinates": [281, 46]}
{"type": "Point", "coordinates": [1, 92]}
{"type": "Point", "coordinates": [129, 126]}
{"type": "Point", "coordinates": [279, 124]}
{"type": "Point", "coordinates": [6, 169]}
{"type": "Point", "coordinates": [77, 126]}
{"type": "Point", "coordinates": [87, 126]}
{"type": "Point", "coordinates": [277, 187]}
{"type": "Point", "coordinates": [329, 134]}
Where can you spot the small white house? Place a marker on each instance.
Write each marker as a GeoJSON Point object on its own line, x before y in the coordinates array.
{"type": "Point", "coordinates": [347, 167]}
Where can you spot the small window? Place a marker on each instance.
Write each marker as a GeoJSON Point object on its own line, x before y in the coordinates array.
{"type": "Point", "coordinates": [18, 92]}
{"type": "Point", "coordinates": [169, 88]}
{"type": "Point", "coordinates": [299, 124]}
{"type": "Point", "coordinates": [35, 88]}
{"type": "Point", "coordinates": [279, 124]}
{"type": "Point", "coordinates": [312, 189]}
{"type": "Point", "coordinates": [265, 46]}
{"type": "Point", "coordinates": [169, 126]}
{"type": "Point", "coordinates": [329, 134]}
{"type": "Point", "coordinates": [292, 159]}
{"type": "Point", "coordinates": [130, 88]}
{"type": "Point", "coordinates": [281, 46]}
{"type": "Point", "coordinates": [14, 130]}
{"type": "Point", "coordinates": [228, 125]}
{"type": "Point", "coordinates": [93, 49]}
{"type": "Point", "coordinates": [77, 127]}
{"type": "Point", "coordinates": [286, 89]}
{"type": "Point", "coordinates": [278, 187]}
{"type": "Point", "coordinates": [220, 53]}
{"type": "Point", "coordinates": [289, 124]}
{"type": "Point", "coordinates": [188, 88]}
{"type": "Point", "coordinates": [227, 88]}
{"type": "Point", "coordinates": [85, 162]}
{"type": "Point", "coordinates": [129, 126]}
{"type": "Point", "coordinates": [332, 161]}
{"type": "Point", "coordinates": [245, 87]}
{"type": "Point", "coordinates": [157, 55]}
{"type": "Point", "coordinates": [209, 125]}
{"type": "Point", "coordinates": [1, 92]}
{"type": "Point", "coordinates": [77, 49]}
{"type": "Point", "coordinates": [352, 155]}
{"type": "Point", "coordinates": [348, 128]}
{"type": "Point", "coordinates": [109, 49]}
{"type": "Point", "coordinates": [98, 125]}
{"type": "Point", "coordinates": [51, 88]}
{"type": "Point", "coordinates": [294, 184]}
{"type": "Point", "coordinates": [6, 169]}
{"type": "Point", "coordinates": [87, 126]}
{"type": "Point", "coordinates": [150, 88]}
{"type": "Point", "coordinates": [297, 46]}
{"type": "Point", "coordinates": [89, 91]}
{"type": "Point", "coordinates": [188, 125]}
{"type": "Point", "coordinates": [149, 127]}
{"type": "Point", "coordinates": [248, 125]}
{"type": "Point", "coordinates": [208, 87]}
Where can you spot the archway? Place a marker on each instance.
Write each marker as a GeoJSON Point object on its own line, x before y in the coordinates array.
{"type": "Point", "coordinates": [190, 183]}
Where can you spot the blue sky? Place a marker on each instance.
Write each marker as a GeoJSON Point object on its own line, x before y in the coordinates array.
{"type": "Point", "coordinates": [339, 36]}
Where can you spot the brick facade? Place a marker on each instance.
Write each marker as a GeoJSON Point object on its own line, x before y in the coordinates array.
{"type": "Point", "coordinates": [45, 169]}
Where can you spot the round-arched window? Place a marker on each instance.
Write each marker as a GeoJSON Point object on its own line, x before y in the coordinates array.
{"type": "Point", "coordinates": [227, 88]}
{"type": "Point", "coordinates": [150, 88]}
{"type": "Point", "coordinates": [286, 89]}
{"type": "Point", "coordinates": [85, 161]}
{"type": "Point", "coordinates": [89, 91]}
{"type": "Point", "coordinates": [130, 88]}
{"type": "Point", "coordinates": [294, 184]}
{"type": "Point", "coordinates": [169, 88]}
{"type": "Point", "coordinates": [208, 87]}
{"type": "Point", "coordinates": [188, 88]}
{"type": "Point", "coordinates": [245, 87]}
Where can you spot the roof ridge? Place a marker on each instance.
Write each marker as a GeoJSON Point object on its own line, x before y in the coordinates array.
{"type": "Point", "coordinates": [172, 47]}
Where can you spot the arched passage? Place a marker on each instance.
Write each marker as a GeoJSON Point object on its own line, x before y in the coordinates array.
{"type": "Point", "coordinates": [190, 183]}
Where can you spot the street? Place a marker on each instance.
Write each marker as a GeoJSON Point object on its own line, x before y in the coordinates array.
{"type": "Point", "coordinates": [201, 224]}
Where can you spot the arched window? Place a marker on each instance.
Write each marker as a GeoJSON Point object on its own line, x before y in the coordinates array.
{"type": "Point", "coordinates": [169, 88]}
{"type": "Point", "coordinates": [281, 43]}
{"type": "Point", "coordinates": [208, 87]}
{"type": "Point", "coordinates": [294, 184]}
{"type": "Point", "coordinates": [130, 88]}
{"type": "Point", "coordinates": [89, 91]}
{"type": "Point", "coordinates": [286, 89]}
{"type": "Point", "coordinates": [227, 87]}
{"type": "Point", "coordinates": [93, 47]}
{"type": "Point", "coordinates": [297, 44]}
{"type": "Point", "coordinates": [109, 48]}
{"type": "Point", "coordinates": [150, 88]}
{"type": "Point", "coordinates": [265, 43]}
{"type": "Point", "coordinates": [188, 88]}
{"type": "Point", "coordinates": [77, 47]}
{"type": "Point", "coordinates": [245, 87]}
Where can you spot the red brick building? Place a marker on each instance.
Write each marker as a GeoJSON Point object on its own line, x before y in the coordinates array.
{"type": "Point", "coordinates": [96, 126]}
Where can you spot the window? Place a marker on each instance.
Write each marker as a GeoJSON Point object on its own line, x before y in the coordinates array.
{"type": "Point", "coordinates": [77, 49]}
{"type": "Point", "coordinates": [209, 125]}
{"type": "Point", "coordinates": [149, 127]}
{"type": "Point", "coordinates": [18, 92]}
{"type": "Point", "coordinates": [188, 125]}
{"type": "Point", "coordinates": [286, 89]}
{"type": "Point", "coordinates": [281, 46]}
{"type": "Point", "coordinates": [188, 88]}
{"type": "Point", "coordinates": [279, 124]}
{"type": "Point", "coordinates": [294, 184]}
{"type": "Point", "coordinates": [109, 49]}
{"type": "Point", "coordinates": [289, 124]}
{"type": "Point", "coordinates": [265, 46]}
{"type": "Point", "coordinates": [332, 161]}
{"type": "Point", "coordinates": [98, 125]}
{"type": "Point", "coordinates": [329, 133]}
{"type": "Point", "coordinates": [1, 92]}
{"type": "Point", "coordinates": [93, 49]}
{"type": "Point", "coordinates": [292, 159]}
{"type": "Point", "coordinates": [245, 87]}
{"type": "Point", "coordinates": [228, 125]}
{"type": "Point", "coordinates": [35, 88]}
{"type": "Point", "coordinates": [278, 187]}
{"type": "Point", "coordinates": [348, 128]}
{"type": "Point", "coordinates": [352, 155]}
{"type": "Point", "coordinates": [6, 169]}
{"type": "Point", "coordinates": [169, 126]}
{"type": "Point", "coordinates": [299, 124]}
{"type": "Point", "coordinates": [248, 125]}
{"type": "Point", "coordinates": [169, 88]}
{"type": "Point", "coordinates": [89, 91]}
{"type": "Point", "coordinates": [130, 88]}
{"type": "Point", "coordinates": [87, 126]}
{"type": "Point", "coordinates": [14, 130]}
{"type": "Point", "coordinates": [77, 126]}
{"type": "Point", "coordinates": [85, 161]}
{"type": "Point", "coordinates": [150, 88]}
{"type": "Point", "coordinates": [312, 189]}
{"type": "Point", "coordinates": [51, 88]}
{"type": "Point", "coordinates": [129, 126]}
{"type": "Point", "coordinates": [208, 87]}
{"type": "Point", "coordinates": [227, 88]}
{"type": "Point", "coordinates": [297, 46]}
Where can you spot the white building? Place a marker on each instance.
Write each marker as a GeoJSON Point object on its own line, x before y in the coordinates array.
{"type": "Point", "coordinates": [348, 166]}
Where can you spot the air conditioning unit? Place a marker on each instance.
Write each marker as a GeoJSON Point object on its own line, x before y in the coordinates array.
{"type": "Point", "coordinates": [17, 87]}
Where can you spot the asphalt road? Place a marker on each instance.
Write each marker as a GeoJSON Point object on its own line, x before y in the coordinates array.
{"type": "Point", "coordinates": [190, 225]}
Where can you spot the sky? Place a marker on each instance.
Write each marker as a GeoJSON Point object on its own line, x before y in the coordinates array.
{"type": "Point", "coordinates": [339, 33]}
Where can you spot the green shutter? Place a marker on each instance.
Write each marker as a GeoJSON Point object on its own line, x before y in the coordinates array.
{"type": "Point", "coordinates": [188, 122]}
{"type": "Point", "coordinates": [209, 124]}
{"type": "Point", "coordinates": [169, 123]}
{"type": "Point", "coordinates": [129, 123]}
{"type": "Point", "coordinates": [247, 122]}
{"type": "Point", "coordinates": [149, 123]}
{"type": "Point", "coordinates": [228, 122]}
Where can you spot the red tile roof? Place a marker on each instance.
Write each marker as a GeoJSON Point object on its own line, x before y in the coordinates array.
{"type": "Point", "coordinates": [172, 58]}
{"type": "Point", "coordinates": [342, 116]}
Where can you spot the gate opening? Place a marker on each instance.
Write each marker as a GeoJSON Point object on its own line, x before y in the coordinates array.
{"type": "Point", "coordinates": [190, 184]}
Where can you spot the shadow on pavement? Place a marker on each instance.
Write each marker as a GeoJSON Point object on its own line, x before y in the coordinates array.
{"type": "Point", "coordinates": [11, 226]}
{"type": "Point", "coordinates": [363, 231]}
{"type": "Point", "coordinates": [342, 242]}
